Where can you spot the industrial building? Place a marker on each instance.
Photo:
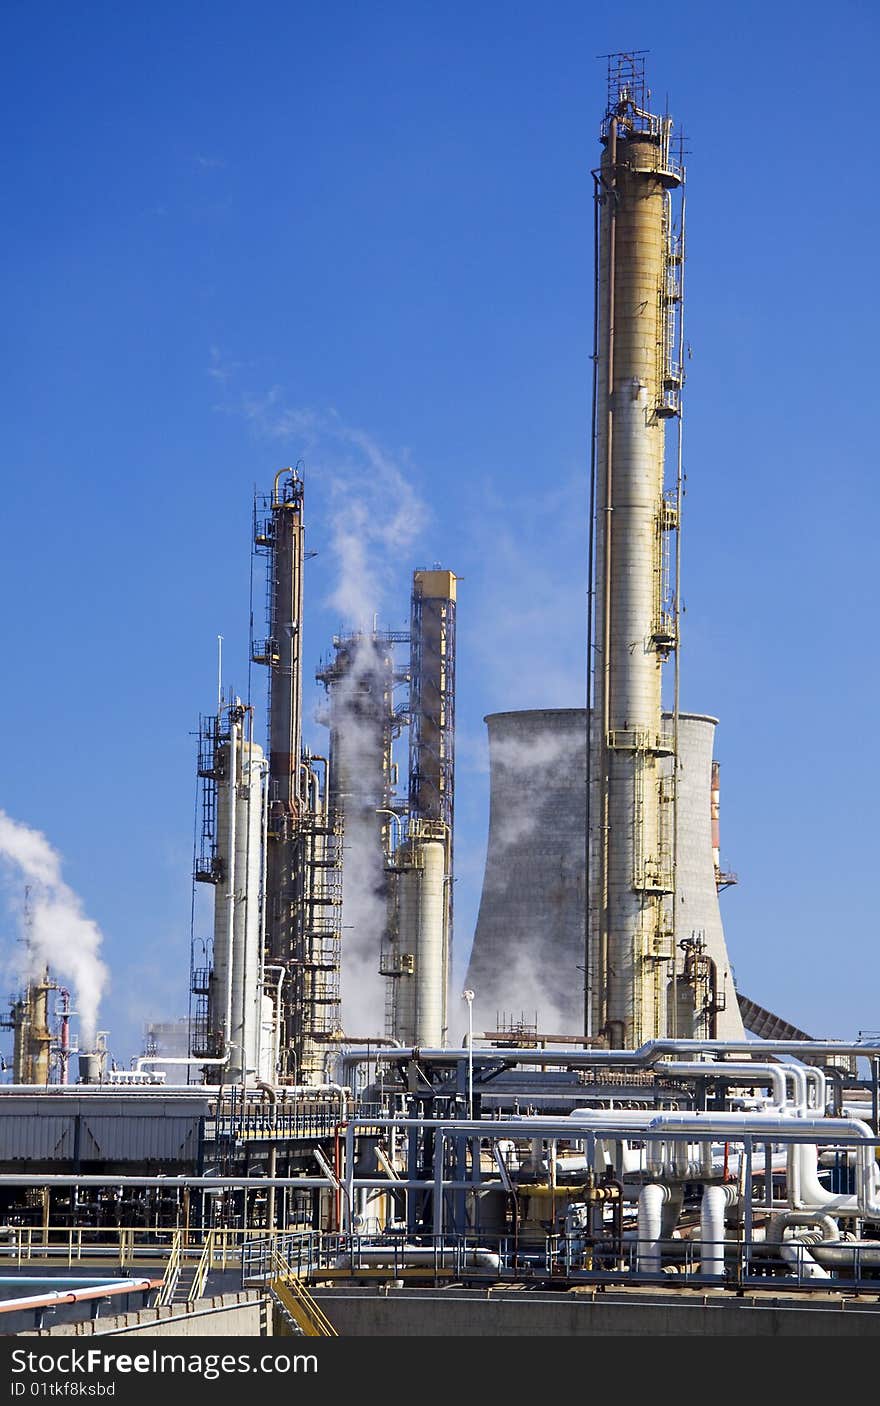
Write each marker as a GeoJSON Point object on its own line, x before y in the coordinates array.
{"type": "Point", "coordinates": [607, 1127]}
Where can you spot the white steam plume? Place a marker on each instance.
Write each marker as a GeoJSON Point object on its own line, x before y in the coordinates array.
{"type": "Point", "coordinates": [58, 933]}
{"type": "Point", "coordinates": [358, 762]}
{"type": "Point", "coordinates": [524, 997]}
{"type": "Point", "coordinates": [376, 516]}
{"type": "Point", "coordinates": [529, 767]}
{"type": "Point", "coordinates": [529, 776]}
{"type": "Point", "coordinates": [374, 511]}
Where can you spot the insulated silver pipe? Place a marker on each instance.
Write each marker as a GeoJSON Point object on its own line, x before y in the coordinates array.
{"type": "Point", "coordinates": [644, 1056]}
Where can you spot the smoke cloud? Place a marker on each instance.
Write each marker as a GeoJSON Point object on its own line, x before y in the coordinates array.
{"type": "Point", "coordinates": [537, 816]}
{"type": "Point", "coordinates": [358, 763]}
{"type": "Point", "coordinates": [526, 769]}
{"type": "Point", "coordinates": [58, 932]}
{"type": "Point", "coordinates": [374, 512]}
{"type": "Point", "coordinates": [526, 996]}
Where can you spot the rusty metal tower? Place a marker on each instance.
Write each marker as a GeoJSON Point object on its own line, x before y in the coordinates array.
{"type": "Point", "coordinates": [303, 839]}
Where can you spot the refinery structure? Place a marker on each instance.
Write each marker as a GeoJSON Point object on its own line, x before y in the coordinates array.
{"type": "Point", "coordinates": [317, 1136]}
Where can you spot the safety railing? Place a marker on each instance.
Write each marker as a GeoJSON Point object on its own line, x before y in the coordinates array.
{"type": "Point", "coordinates": [123, 1246]}
{"type": "Point", "coordinates": [275, 1123]}
{"type": "Point", "coordinates": [833, 1266]}
{"type": "Point", "coordinates": [294, 1298]}
{"type": "Point", "coordinates": [172, 1272]}
{"type": "Point", "coordinates": [203, 1268]}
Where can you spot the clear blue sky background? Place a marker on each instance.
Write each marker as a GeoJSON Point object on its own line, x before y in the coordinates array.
{"type": "Point", "coordinates": [236, 235]}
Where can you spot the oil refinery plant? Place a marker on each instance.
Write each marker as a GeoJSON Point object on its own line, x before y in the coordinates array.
{"type": "Point", "coordinates": [620, 1118]}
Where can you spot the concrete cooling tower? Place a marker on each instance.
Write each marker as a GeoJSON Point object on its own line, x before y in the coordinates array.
{"type": "Point", "coordinates": [527, 960]}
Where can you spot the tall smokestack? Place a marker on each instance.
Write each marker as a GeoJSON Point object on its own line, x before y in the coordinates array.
{"type": "Point", "coordinates": [432, 766]}
{"type": "Point", "coordinates": [631, 949]}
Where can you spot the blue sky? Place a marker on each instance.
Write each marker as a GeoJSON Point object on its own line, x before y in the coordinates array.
{"type": "Point", "coordinates": [237, 236]}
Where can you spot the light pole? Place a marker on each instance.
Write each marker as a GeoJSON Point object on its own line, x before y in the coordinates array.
{"type": "Point", "coordinates": [469, 997]}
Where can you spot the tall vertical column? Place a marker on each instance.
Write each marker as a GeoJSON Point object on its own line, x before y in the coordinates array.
{"type": "Point", "coordinates": [279, 534]}
{"type": "Point", "coordinates": [432, 745]}
{"type": "Point", "coordinates": [234, 1019]}
{"type": "Point", "coordinates": [631, 948]}
{"type": "Point", "coordinates": [282, 652]}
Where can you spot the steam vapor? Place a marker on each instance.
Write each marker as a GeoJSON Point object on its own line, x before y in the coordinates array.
{"type": "Point", "coordinates": [58, 932]}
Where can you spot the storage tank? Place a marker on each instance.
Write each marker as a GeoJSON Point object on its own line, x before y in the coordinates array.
{"type": "Point", "coordinates": [90, 1066]}
{"type": "Point", "coordinates": [420, 941]}
{"type": "Point", "coordinates": [430, 952]}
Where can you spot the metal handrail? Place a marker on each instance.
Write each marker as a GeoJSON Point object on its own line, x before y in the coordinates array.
{"type": "Point", "coordinates": [256, 1252]}
{"type": "Point", "coordinates": [296, 1300]}
{"type": "Point", "coordinates": [120, 1245]}
{"type": "Point", "coordinates": [172, 1272]}
{"type": "Point", "coordinates": [203, 1268]}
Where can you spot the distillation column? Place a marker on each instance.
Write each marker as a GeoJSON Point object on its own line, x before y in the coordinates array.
{"type": "Point", "coordinates": [418, 955]}
{"type": "Point", "coordinates": [631, 950]}
{"type": "Point", "coordinates": [278, 534]}
{"type": "Point", "coordinates": [235, 1000]}
{"type": "Point", "coordinates": [32, 1038]}
{"type": "Point", "coordinates": [303, 898]}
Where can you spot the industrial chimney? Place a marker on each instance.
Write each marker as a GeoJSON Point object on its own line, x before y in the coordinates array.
{"type": "Point", "coordinates": [631, 879]}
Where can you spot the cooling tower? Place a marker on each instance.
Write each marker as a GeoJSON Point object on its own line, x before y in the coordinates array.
{"type": "Point", "coordinates": [527, 960]}
{"type": "Point", "coordinates": [698, 915]}
{"type": "Point", "coordinates": [528, 954]}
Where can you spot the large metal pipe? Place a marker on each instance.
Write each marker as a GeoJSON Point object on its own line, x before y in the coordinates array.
{"type": "Point", "coordinates": [61, 1296]}
{"type": "Point", "coordinates": [27, 1179]}
{"type": "Point", "coordinates": [712, 1207]}
{"type": "Point", "coordinates": [392, 1255]}
{"type": "Point", "coordinates": [643, 1057]}
{"type": "Point", "coordinates": [652, 1199]}
{"type": "Point", "coordinates": [604, 534]}
{"type": "Point", "coordinates": [772, 1074]}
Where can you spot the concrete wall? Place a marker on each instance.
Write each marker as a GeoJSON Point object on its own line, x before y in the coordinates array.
{"type": "Point", "coordinates": [241, 1315]}
{"type": "Point", "coordinates": [462, 1313]}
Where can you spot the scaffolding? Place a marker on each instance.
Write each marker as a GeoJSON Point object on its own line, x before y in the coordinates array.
{"type": "Point", "coordinates": [208, 868]}
{"type": "Point", "coordinates": [314, 960]}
